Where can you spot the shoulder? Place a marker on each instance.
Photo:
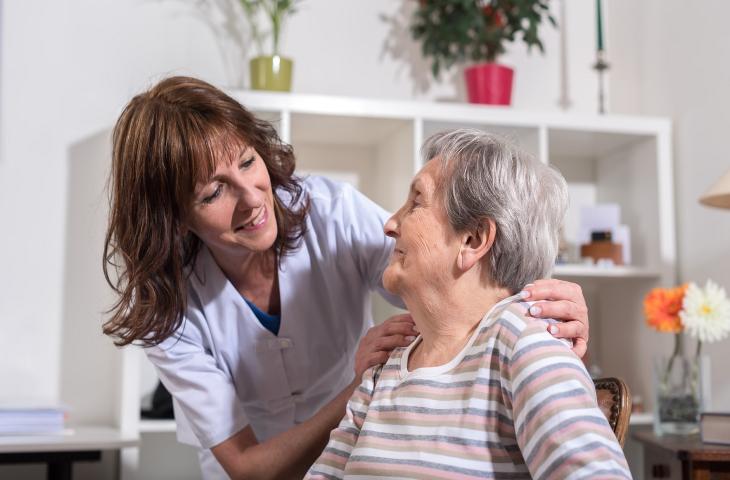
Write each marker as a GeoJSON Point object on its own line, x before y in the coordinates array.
{"type": "Point", "coordinates": [209, 298]}
{"type": "Point", "coordinates": [512, 324]}
{"type": "Point", "coordinates": [325, 188]}
{"type": "Point", "coordinates": [327, 195]}
{"type": "Point", "coordinates": [510, 319]}
{"type": "Point", "coordinates": [340, 205]}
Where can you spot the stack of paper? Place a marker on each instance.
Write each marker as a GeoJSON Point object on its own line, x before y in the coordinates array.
{"type": "Point", "coordinates": [31, 420]}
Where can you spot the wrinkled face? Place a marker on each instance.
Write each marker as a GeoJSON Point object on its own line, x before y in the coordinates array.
{"type": "Point", "coordinates": [426, 246]}
{"type": "Point", "coordinates": [233, 212]}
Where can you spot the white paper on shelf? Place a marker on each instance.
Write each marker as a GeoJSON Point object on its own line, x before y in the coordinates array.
{"type": "Point", "coordinates": [622, 235]}
{"type": "Point", "coordinates": [603, 217]}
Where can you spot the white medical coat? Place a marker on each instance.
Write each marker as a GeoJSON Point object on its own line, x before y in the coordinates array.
{"type": "Point", "coordinates": [226, 371]}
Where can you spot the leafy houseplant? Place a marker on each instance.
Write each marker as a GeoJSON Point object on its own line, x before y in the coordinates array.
{"type": "Point", "coordinates": [269, 72]}
{"type": "Point", "coordinates": [459, 31]}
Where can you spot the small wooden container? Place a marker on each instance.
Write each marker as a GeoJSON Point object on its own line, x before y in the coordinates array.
{"type": "Point", "coordinates": [603, 249]}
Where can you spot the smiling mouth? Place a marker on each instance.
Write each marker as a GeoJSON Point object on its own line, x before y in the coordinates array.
{"type": "Point", "coordinates": [257, 222]}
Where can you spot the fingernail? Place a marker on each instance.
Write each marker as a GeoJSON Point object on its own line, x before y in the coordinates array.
{"type": "Point", "coordinates": [410, 338]}
{"type": "Point", "coordinates": [415, 329]}
{"type": "Point", "coordinates": [534, 310]}
{"type": "Point", "coordinates": [525, 294]}
{"type": "Point", "coordinates": [529, 284]}
{"type": "Point", "coordinates": [553, 329]}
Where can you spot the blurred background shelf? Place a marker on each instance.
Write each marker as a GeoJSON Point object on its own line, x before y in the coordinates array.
{"type": "Point", "coordinates": [644, 418]}
{"type": "Point", "coordinates": [587, 271]}
{"type": "Point", "coordinates": [156, 426]}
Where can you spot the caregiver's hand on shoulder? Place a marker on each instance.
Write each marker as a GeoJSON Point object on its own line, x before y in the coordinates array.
{"type": "Point", "coordinates": [380, 340]}
{"type": "Point", "coordinates": [562, 301]}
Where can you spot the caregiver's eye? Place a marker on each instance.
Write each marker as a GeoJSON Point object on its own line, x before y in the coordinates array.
{"type": "Point", "coordinates": [247, 163]}
{"type": "Point", "coordinates": [216, 193]}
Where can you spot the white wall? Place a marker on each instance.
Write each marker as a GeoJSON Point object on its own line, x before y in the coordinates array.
{"type": "Point", "coordinates": [67, 69]}
{"type": "Point", "coordinates": [364, 49]}
{"type": "Point", "coordinates": [672, 60]}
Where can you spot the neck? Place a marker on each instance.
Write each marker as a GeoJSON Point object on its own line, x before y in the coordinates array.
{"type": "Point", "coordinates": [254, 275]}
{"type": "Point", "coordinates": [446, 318]}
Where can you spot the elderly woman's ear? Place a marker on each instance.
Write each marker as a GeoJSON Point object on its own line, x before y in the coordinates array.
{"type": "Point", "coordinates": [475, 244]}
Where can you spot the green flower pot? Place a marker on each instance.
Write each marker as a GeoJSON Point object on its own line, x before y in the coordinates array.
{"type": "Point", "coordinates": [271, 73]}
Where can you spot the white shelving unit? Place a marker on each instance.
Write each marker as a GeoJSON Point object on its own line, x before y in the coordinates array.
{"type": "Point", "coordinates": [156, 426]}
{"type": "Point", "coordinates": [621, 159]}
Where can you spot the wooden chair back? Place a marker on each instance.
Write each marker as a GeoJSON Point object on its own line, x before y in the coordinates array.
{"type": "Point", "coordinates": [614, 400]}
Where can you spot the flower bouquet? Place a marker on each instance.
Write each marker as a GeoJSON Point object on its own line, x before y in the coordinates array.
{"type": "Point", "coordinates": [704, 314]}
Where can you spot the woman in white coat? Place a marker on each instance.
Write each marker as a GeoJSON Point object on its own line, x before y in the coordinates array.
{"type": "Point", "coordinates": [248, 286]}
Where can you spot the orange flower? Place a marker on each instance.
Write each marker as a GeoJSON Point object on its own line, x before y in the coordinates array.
{"type": "Point", "coordinates": [662, 306]}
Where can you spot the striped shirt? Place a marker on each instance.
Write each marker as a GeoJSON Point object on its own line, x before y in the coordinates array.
{"type": "Point", "coordinates": [514, 403]}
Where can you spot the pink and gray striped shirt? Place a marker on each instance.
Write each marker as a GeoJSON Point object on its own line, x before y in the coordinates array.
{"type": "Point", "coordinates": [514, 403]}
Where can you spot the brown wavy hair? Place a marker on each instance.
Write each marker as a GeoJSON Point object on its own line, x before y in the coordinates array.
{"type": "Point", "coordinates": [165, 141]}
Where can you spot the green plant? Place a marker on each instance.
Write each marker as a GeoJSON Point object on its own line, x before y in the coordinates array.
{"type": "Point", "coordinates": [276, 11]}
{"type": "Point", "coordinates": [456, 31]}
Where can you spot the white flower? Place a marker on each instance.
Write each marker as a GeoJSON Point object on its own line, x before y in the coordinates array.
{"type": "Point", "coordinates": [706, 312]}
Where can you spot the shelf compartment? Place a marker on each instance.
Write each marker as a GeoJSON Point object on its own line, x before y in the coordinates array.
{"type": "Point", "coordinates": [344, 130]}
{"type": "Point", "coordinates": [147, 425]}
{"type": "Point", "coordinates": [627, 177]}
{"type": "Point", "coordinates": [621, 272]}
{"type": "Point", "coordinates": [376, 155]}
{"type": "Point", "coordinates": [526, 137]}
{"type": "Point", "coordinates": [574, 143]}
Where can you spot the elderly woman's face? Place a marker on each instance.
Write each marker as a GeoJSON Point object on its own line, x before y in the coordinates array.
{"type": "Point", "coordinates": [426, 247]}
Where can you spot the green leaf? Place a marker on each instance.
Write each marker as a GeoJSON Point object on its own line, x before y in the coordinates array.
{"type": "Point", "coordinates": [454, 31]}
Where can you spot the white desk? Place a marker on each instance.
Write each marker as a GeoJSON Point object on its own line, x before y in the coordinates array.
{"type": "Point", "coordinates": [60, 451]}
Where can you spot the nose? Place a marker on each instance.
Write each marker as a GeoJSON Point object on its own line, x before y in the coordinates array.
{"type": "Point", "coordinates": [248, 198]}
{"type": "Point", "coordinates": [391, 226]}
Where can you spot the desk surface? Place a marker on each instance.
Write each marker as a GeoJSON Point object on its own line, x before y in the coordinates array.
{"type": "Point", "coordinates": [77, 439]}
{"type": "Point", "coordinates": [685, 447]}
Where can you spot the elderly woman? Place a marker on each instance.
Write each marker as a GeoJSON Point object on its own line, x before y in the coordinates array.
{"type": "Point", "coordinates": [484, 391]}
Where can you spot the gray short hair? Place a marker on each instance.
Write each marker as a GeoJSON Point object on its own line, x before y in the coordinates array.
{"type": "Point", "coordinates": [485, 176]}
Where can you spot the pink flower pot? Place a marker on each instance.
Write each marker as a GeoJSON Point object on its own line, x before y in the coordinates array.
{"type": "Point", "coordinates": [489, 83]}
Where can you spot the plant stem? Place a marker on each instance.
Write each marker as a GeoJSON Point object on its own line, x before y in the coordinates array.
{"type": "Point", "coordinates": [274, 14]}
{"type": "Point", "coordinates": [251, 9]}
{"type": "Point", "coordinates": [276, 27]}
{"type": "Point", "coordinates": [696, 368]}
{"type": "Point", "coordinates": [675, 354]}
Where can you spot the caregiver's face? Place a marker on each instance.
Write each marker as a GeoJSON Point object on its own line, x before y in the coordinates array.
{"type": "Point", "coordinates": [426, 247]}
{"type": "Point", "coordinates": [233, 212]}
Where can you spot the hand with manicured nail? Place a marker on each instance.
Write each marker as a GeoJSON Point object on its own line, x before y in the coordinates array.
{"type": "Point", "coordinates": [563, 301]}
{"type": "Point", "coordinates": [380, 340]}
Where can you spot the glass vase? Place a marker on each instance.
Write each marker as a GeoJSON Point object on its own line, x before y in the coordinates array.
{"type": "Point", "coordinates": [678, 392]}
